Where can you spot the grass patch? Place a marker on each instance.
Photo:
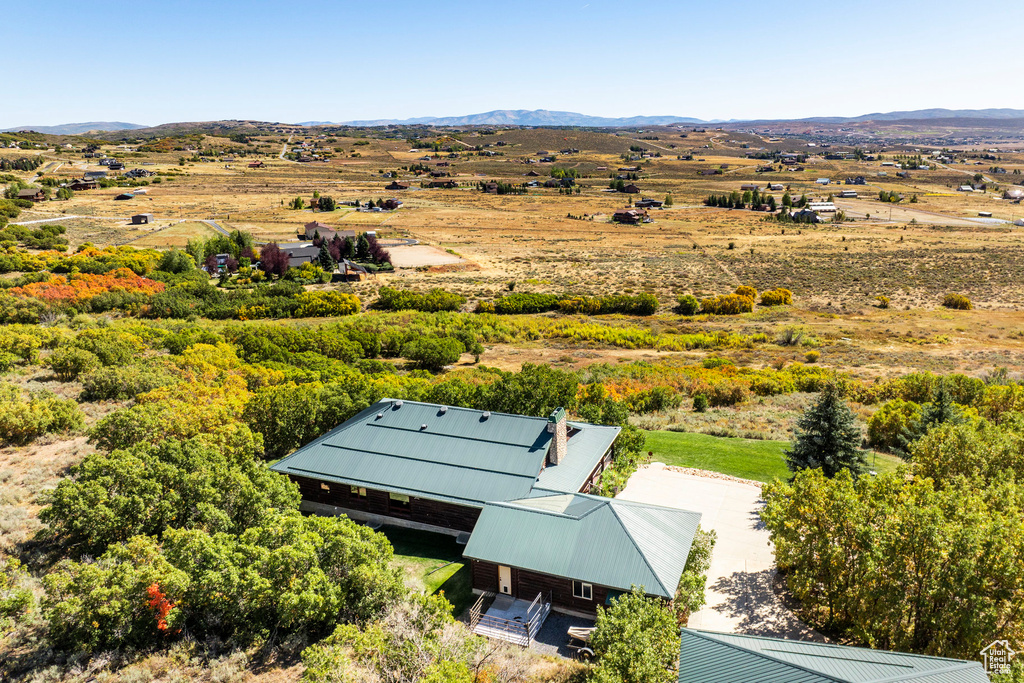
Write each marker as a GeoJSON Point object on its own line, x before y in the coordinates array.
{"type": "Point", "coordinates": [745, 458]}
{"type": "Point", "coordinates": [432, 562]}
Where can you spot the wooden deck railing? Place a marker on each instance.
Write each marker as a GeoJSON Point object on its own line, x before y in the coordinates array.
{"type": "Point", "coordinates": [519, 632]}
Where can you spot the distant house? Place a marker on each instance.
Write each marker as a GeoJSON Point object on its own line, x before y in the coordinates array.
{"type": "Point", "coordinates": [395, 185]}
{"type": "Point", "coordinates": [985, 214]}
{"type": "Point", "coordinates": [32, 195]}
{"type": "Point", "coordinates": [806, 215]}
{"type": "Point", "coordinates": [822, 207]}
{"type": "Point", "coordinates": [491, 188]}
{"type": "Point", "coordinates": [532, 174]}
{"type": "Point", "coordinates": [314, 228]}
{"type": "Point", "coordinates": [95, 174]}
{"type": "Point", "coordinates": [823, 181]}
{"type": "Point", "coordinates": [256, 164]}
{"type": "Point", "coordinates": [392, 204]}
{"type": "Point", "coordinates": [647, 204]}
{"type": "Point", "coordinates": [631, 189]}
{"type": "Point", "coordinates": [848, 194]}
{"type": "Point", "coordinates": [115, 165]}
{"type": "Point", "coordinates": [965, 188]}
{"type": "Point", "coordinates": [142, 219]}
{"type": "Point", "coordinates": [123, 197]}
{"type": "Point", "coordinates": [750, 188]}
{"type": "Point", "coordinates": [449, 183]}
{"type": "Point", "coordinates": [300, 253]}
{"type": "Point", "coordinates": [776, 187]}
{"type": "Point", "coordinates": [1014, 194]}
{"type": "Point", "coordinates": [548, 160]}
{"type": "Point", "coordinates": [859, 180]}
{"type": "Point", "coordinates": [629, 216]}
{"type": "Point", "coordinates": [439, 174]}
{"type": "Point", "coordinates": [79, 185]}
{"type": "Point", "coordinates": [708, 656]}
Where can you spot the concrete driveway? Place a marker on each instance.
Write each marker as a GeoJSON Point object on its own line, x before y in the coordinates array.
{"type": "Point", "coordinates": [740, 598]}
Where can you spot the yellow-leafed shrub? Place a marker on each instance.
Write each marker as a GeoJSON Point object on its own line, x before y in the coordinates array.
{"type": "Point", "coordinates": [957, 301]}
{"type": "Point", "coordinates": [777, 297]}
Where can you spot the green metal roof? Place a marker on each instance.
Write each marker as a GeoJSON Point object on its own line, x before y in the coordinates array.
{"type": "Point", "coordinates": [613, 543]}
{"type": "Point", "coordinates": [444, 453]}
{"type": "Point", "coordinates": [733, 658]}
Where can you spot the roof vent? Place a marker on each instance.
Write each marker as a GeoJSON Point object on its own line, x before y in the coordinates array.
{"type": "Point", "coordinates": [443, 410]}
{"type": "Point", "coordinates": [398, 404]}
{"type": "Point", "coordinates": [380, 415]}
{"type": "Point", "coordinates": [423, 426]}
{"type": "Point", "coordinates": [486, 414]}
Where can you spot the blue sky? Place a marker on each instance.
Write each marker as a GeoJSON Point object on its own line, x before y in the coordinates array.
{"type": "Point", "coordinates": [154, 62]}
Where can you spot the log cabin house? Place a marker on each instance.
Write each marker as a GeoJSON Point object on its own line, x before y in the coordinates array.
{"type": "Point", "coordinates": [514, 488]}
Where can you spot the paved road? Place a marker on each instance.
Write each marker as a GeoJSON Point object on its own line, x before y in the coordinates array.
{"type": "Point", "coordinates": [284, 150]}
{"type": "Point", "coordinates": [740, 595]}
{"type": "Point", "coordinates": [218, 228]}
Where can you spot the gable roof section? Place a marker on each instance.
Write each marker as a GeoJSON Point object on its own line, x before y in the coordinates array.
{"type": "Point", "coordinates": [608, 542]}
{"type": "Point", "coordinates": [733, 658]}
{"type": "Point", "coordinates": [462, 456]}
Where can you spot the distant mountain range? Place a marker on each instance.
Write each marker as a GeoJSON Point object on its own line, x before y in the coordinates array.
{"type": "Point", "coordinates": [77, 128]}
{"type": "Point", "coordinates": [522, 117]}
{"type": "Point", "coordinates": [526, 117]}
{"type": "Point", "coordinates": [543, 117]}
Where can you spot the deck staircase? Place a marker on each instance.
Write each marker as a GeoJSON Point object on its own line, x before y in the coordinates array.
{"type": "Point", "coordinates": [514, 621]}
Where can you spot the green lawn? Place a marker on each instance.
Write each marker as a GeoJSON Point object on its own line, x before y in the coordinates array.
{"type": "Point", "coordinates": [744, 458]}
{"type": "Point", "coordinates": [432, 562]}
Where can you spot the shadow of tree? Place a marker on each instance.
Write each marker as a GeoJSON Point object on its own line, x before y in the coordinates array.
{"type": "Point", "coordinates": [751, 598]}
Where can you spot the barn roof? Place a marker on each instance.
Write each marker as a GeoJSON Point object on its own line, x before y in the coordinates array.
{"type": "Point", "coordinates": [458, 455]}
{"type": "Point", "coordinates": [734, 658]}
{"type": "Point", "coordinates": [609, 542]}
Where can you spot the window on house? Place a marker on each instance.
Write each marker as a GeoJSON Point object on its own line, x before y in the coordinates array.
{"type": "Point", "coordinates": [325, 487]}
{"type": "Point", "coordinates": [581, 590]}
{"type": "Point", "coordinates": [399, 500]}
{"type": "Point", "coordinates": [358, 491]}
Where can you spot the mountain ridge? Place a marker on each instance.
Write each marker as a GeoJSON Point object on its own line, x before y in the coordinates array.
{"type": "Point", "coordinates": [78, 128]}
{"type": "Point", "coordinates": [544, 117]}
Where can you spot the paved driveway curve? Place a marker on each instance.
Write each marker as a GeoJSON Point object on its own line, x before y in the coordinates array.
{"type": "Point", "coordinates": [740, 596]}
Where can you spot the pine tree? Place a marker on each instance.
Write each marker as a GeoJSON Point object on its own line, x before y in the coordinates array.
{"type": "Point", "coordinates": [325, 259]}
{"type": "Point", "coordinates": [827, 437]}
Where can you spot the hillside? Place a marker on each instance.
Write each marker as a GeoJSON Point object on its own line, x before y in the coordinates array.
{"type": "Point", "coordinates": [77, 128]}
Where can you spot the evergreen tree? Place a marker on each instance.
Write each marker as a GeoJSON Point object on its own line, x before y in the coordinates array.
{"type": "Point", "coordinates": [940, 410]}
{"type": "Point", "coordinates": [827, 437]}
{"type": "Point", "coordinates": [325, 260]}
{"type": "Point", "coordinates": [363, 247]}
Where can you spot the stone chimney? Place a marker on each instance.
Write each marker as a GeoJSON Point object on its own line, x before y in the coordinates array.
{"type": "Point", "coordinates": [559, 436]}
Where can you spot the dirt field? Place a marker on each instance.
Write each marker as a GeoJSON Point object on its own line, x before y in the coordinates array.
{"type": "Point", "coordinates": [418, 255]}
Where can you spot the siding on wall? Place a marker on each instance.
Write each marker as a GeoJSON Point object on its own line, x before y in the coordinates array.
{"type": "Point", "coordinates": [526, 585]}
{"type": "Point", "coordinates": [422, 510]}
{"type": "Point", "coordinates": [602, 464]}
